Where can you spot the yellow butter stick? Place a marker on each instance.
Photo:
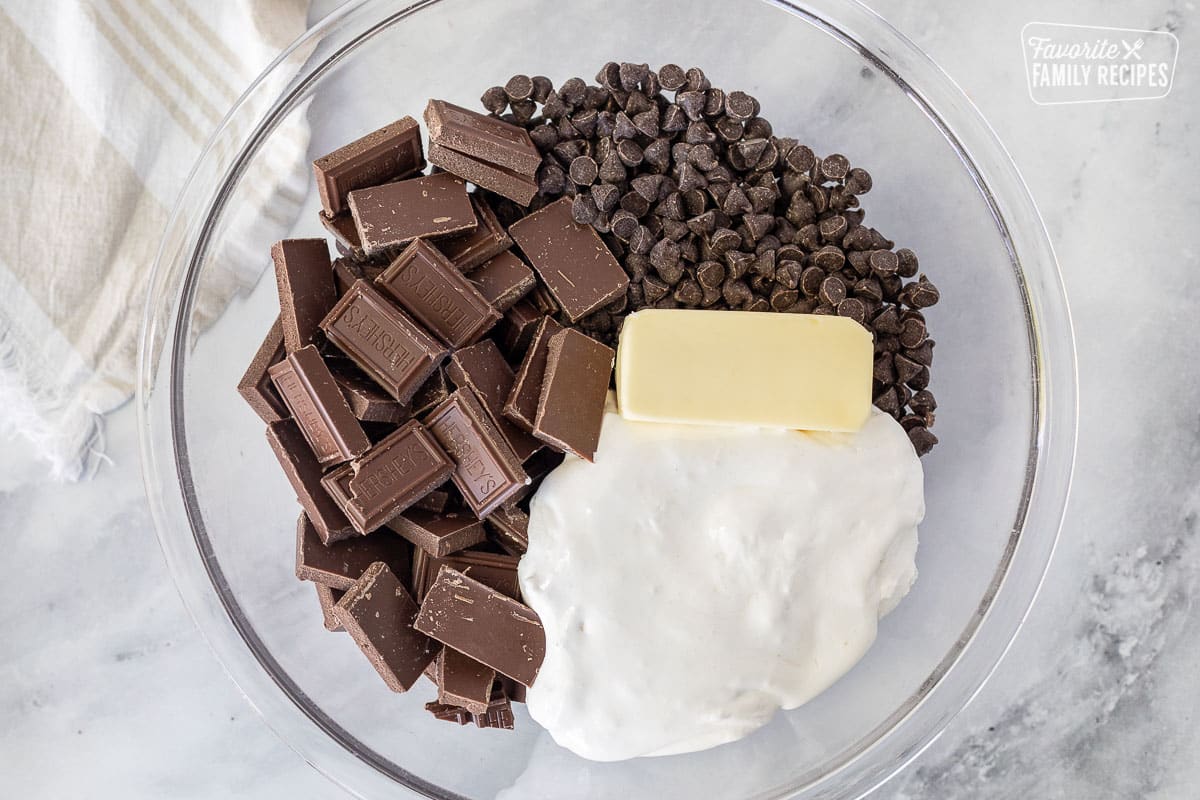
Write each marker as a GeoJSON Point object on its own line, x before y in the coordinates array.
{"type": "Point", "coordinates": [798, 371]}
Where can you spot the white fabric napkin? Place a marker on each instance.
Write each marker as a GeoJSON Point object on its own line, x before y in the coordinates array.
{"type": "Point", "coordinates": [105, 106]}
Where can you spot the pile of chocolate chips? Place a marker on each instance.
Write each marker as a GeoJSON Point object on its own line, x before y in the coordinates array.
{"type": "Point", "coordinates": [705, 207]}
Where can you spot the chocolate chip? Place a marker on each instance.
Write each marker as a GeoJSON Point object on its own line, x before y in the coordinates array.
{"type": "Point", "coordinates": [635, 204]}
{"type": "Point", "coordinates": [696, 80]}
{"type": "Point", "coordinates": [584, 171]}
{"type": "Point", "coordinates": [699, 133]}
{"type": "Point", "coordinates": [674, 119]}
{"type": "Point", "coordinates": [710, 274]}
{"type": "Point", "coordinates": [495, 100]}
{"type": "Point", "coordinates": [740, 106]}
{"type": "Point", "coordinates": [758, 128]}
{"type": "Point", "coordinates": [923, 402]}
{"type": "Point", "coordinates": [583, 209]}
{"type": "Point", "coordinates": [833, 290]}
{"type": "Point", "coordinates": [519, 87]}
{"type": "Point", "coordinates": [853, 308]}
{"type": "Point", "coordinates": [605, 196]}
{"type": "Point", "coordinates": [632, 76]}
{"type": "Point", "coordinates": [692, 104]}
{"type": "Point", "coordinates": [658, 154]}
{"type": "Point", "coordinates": [655, 289]}
{"type": "Point", "coordinates": [724, 240]}
{"type": "Point", "coordinates": [630, 152]}
{"type": "Point", "coordinates": [612, 170]}
{"type": "Point", "coordinates": [671, 77]}
{"type": "Point", "coordinates": [922, 440]}
{"type": "Point", "coordinates": [523, 110]}
{"type": "Point", "coordinates": [624, 225]}
{"type": "Point", "coordinates": [883, 262]}
{"type": "Point", "coordinates": [642, 240]}
{"type": "Point", "coordinates": [907, 262]}
{"type": "Point", "coordinates": [665, 254]}
{"type": "Point", "coordinates": [829, 258]}
{"type": "Point", "coordinates": [689, 293]}
{"type": "Point", "coordinates": [921, 294]}
{"type": "Point", "coordinates": [783, 298]}
{"type": "Point", "coordinates": [759, 225]}
{"type": "Point", "coordinates": [736, 293]}
{"type": "Point", "coordinates": [912, 333]}
{"type": "Point", "coordinates": [922, 354]}
{"type": "Point", "coordinates": [811, 280]}
{"type": "Point", "coordinates": [906, 369]}
{"type": "Point", "coordinates": [858, 181]}
{"type": "Point", "coordinates": [832, 228]}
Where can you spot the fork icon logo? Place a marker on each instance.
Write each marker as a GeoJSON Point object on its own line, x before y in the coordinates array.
{"type": "Point", "coordinates": [1132, 49]}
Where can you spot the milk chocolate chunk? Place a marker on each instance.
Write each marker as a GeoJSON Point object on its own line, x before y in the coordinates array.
{"type": "Point", "coordinates": [448, 713]}
{"type": "Point", "coordinates": [503, 280]}
{"type": "Point", "coordinates": [486, 138]}
{"type": "Point", "coordinates": [506, 183]}
{"type": "Point", "coordinates": [429, 287]}
{"type": "Point", "coordinates": [391, 152]}
{"type": "Point", "coordinates": [304, 276]}
{"type": "Point", "coordinates": [327, 598]}
{"type": "Point", "coordinates": [304, 474]}
{"type": "Point", "coordinates": [482, 623]}
{"type": "Point", "coordinates": [521, 404]}
{"type": "Point", "coordinates": [318, 406]}
{"type": "Point", "coordinates": [378, 614]}
{"type": "Point", "coordinates": [496, 570]}
{"type": "Point", "coordinates": [344, 232]}
{"type": "Point", "coordinates": [488, 239]}
{"type": "Point", "coordinates": [432, 392]}
{"type": "Point", "coordinates": [438, 534]}
{"type": "Point", "coordinates": [510, 525]}
{"type": "Point", "coordinates": [574, 390]}
{"type": "Point", "coordinates": [486, 472]}
{"type": "Point", "coordinates": [367, 401]}
{"type": "Point", "coordinates": [498, 713]}
{"type": "Point", "coordinates": [571, 259]}
{"type": "Point", "coordinates": [463, 681]}
{"type": "Point", "coordinates": [256, 387]}
{"type": "Point", "coordinates": [515, 330]}
{"type": "Point", "coordinates": [383, 341]}
{"type": "Point", "coordinates": [400, 469]}
{"type": "Point", "coordinates": [394, 214]}
{"type": "Point", "coordinates": [340, 564]}
{"type": "Point", "coordinates": [482, 368]}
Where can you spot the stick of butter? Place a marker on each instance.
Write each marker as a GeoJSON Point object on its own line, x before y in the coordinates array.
{"type": "Point", "coordinates": [798, 371]}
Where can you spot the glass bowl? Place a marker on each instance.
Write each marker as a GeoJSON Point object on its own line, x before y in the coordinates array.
{"type": "Point", "coordinates": [829, 72]}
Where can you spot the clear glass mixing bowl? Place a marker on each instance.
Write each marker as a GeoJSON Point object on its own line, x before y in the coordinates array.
{"type": "Point", "coordinates": [829, 72]}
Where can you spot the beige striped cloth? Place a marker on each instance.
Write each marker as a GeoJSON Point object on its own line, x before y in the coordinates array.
{"type": "Point", "coordinates": [106, 105]}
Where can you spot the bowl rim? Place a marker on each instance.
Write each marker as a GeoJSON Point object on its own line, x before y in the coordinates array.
{"type": "Point", "coordinates": [1049, 467]}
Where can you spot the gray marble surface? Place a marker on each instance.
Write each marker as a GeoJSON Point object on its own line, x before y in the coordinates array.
{"type": "Point", "coordinates": [107, 689]}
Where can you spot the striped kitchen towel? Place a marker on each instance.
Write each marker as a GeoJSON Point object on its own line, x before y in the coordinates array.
{"type": "Point", "coordinates": [107, 104]}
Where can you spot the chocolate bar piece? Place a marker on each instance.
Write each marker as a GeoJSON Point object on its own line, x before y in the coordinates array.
{"type": "Point", "coordinates": [506, 183]}
{"type": "Point", "coordinates": [328, 599]}
{"type": "Point", "coordinates": [448, 713]}
{"type": "Point", "coordinates": [318, 406]}
{"type": "Point", "coordinates": [400, 469]}
{"type": "Point", "coordinates": [487, 472]}
{"type": "Point", "coordinates": [514, 691]}
{"type": "Point", "coordinates": [522, 402]}
{"type": "Point", "coordinates": [340, 564]}
{"type": "Point", "coordinates": [391, 152]}
{"type": "Point", "coordinates": [394, 214]}
{"type": "Point", "coordinates": [571, 405]}
{"type": "Point", "coordinates": [432, 392]}
{"type": "Point", "coordinates": [571, 259]}
{"type": "Point", "coordinates": [469, 250]}
{"type": "Point", "coordinates": [304, 473]}
{"type": "Point", "coordinates": [498, 713]}
{"type": "Point", "coordinates": [436, 501]}
{"type": "Point", "coordinates": [463, 681]}
{"type": "Point", "coordinates": [482, 368]}
{"type": "Point", "coordinates": [516, 329]}
{"type": "Point", "coordinates": [304, 276]}
{"type": "Point", "coordinates": [497, 570]}
{"type": "Point", "coordinates": [486, 138]}
{"type": "Point", "coordinates": [344, 231]}
{"type": "Point", "coordinates": [256, 387]}
{"type": "Point", "coordinates": [429, 287]}
{"type": "Point", "coordinates": [482, 623]}
{"type": "Point", "coordinates": [385, 343]}
{"type": "Point", "coordinates": [378, 614]}
{"type": "Point", "coordinates": [511, 527]}
{"type": "Point", "coordinates": [503, 280]}
{"type": "Point", "coordinates": [367, 401]}
{"type": "Point", "coordinates": [438, 534]}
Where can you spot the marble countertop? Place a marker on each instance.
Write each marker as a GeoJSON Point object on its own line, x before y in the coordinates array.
{"type": "Point", "coordinates": [107, 689]}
